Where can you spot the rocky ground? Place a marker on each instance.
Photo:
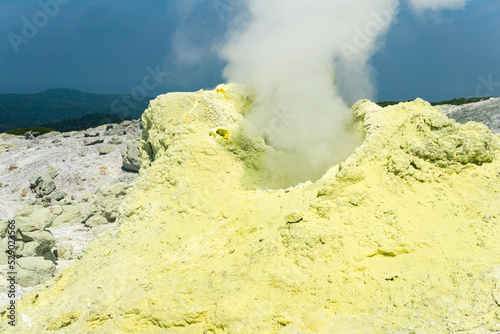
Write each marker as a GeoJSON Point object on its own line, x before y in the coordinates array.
{"type": "Point", "coordinates": [486, 112]}
{"type": "Point", "coordinates": [80, 163]}
{"type": "Point", "coordinates": [402, 237]}
{"type": "Point", "coordinates": [61, 173]}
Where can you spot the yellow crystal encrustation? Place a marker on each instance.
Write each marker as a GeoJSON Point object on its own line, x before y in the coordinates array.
{"type": "Point", "coordinates": [403, 235]}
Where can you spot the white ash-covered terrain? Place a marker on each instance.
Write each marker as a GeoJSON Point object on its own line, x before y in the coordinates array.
{"type": "Point", "coordinates": [58, 187]}
{"type": "Point", "coordinates": [486, 112]}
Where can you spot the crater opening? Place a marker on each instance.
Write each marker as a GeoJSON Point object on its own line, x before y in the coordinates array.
{"type": "Point", "coordinates": [272, 166]}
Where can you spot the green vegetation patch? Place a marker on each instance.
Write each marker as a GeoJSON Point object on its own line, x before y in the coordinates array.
{"type": "Point", "coordinates": [455, 102]}
{"type": "Point", "coordinates": [22, 131]}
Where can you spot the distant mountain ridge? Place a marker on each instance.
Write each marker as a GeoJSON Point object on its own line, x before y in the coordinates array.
{"type": "Point", "coordinates": [55, 105]}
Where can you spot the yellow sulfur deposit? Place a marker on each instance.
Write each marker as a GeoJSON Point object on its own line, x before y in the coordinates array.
{"type": "Point", "coordinates": [402, 237]}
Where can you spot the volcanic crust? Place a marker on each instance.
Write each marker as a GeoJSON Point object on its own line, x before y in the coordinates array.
{"type": "Point", "coordinates": [402, 236]}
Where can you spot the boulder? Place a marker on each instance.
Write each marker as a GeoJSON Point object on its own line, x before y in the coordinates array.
{"type": "Point", "coordinates": [105, 149]}
{"type": "Point", "coordinates": [42, 185]}
{"type": "Point", "coordinates": [25, 210]}
{"type": "Point", "coordinates": [57, 195]}
{"type": "Point", "coordinates": [50, 256]}
{"type": "Point", "coordinates": [53, 172]}
{"type": "Point", "coordinates": [65, 251]}
{"type": "Point", "coordinates": [68, 214]}
{"type": "Point", "coordinates": [91, 133]}
{"type": "Point", "coordinates": [4, 226]}
{"type": "Point", "coordinates": [32, 271]}
{"type": "Point", "coordinates": [115, 141]}
{"type": "Point", "coordinates": [31, 221]}
{"type": "Point", "coordinates": [131, 156]}
{"type": "Point", "coordinates": [104, 204]}
{"type": "Point", "coordinates": [26, 224]}
{"type": "Point", "coordinates": [114, 129]}
{"type": "Point", "coordinates": [31, 135]}
{"type": "Point", "coordinates": [94, 221]}
{"type": "Point", "coordinates": [37, 243]}
{"type": "Point", "coordinates": [93, 141]}
{"type": "Point", "coordinates": [42, 216]}
{"type": "Point", "coordinates": [66, 201]}
{"type": "Point", "coordinates": [18, 248]}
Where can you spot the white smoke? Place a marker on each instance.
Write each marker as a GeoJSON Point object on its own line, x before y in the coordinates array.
{"type": "Point", "coordinates": [289, 51]}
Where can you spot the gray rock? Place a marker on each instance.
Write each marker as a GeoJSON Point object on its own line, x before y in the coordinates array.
{"type": "Point", "coordinates": [131, 156]}
{"type": "Point", "coordinates": [55, 141]}
{"type": "Point", "coordinates": [25, 210]}
{"type": "Point", "coordinates": [37, 243]}
{"type": "Point", "coordinates": [105, 149]}
{"type": "Point", "coordinates": [115, 141]}
{"type": "Point", "coordinates": [91, 133]}
{"type": "Point", "coordinates": [42, 216]}
{"type": "Point", "coordinates": [4, 226]}
{"type": "Point", "coordinates": [34, 180]}
{"type": "Point", "coordinates": [31, 135]}
{"type": "Point", "coordinates": [104, 204]}
{"type": "Point", "coordinates": [53, 172]}
{"type": "Point", "coordinates": [68, 214]}
{"type": "Point", "coordinates": [19, 245]}
{"type": "Point", "coordinates": [110, 128]}
{"type": "Point", "coordinates": [65, 251]}
{"type": "Point", "coordinates": [3, 259]}
{"type": "Point", "coordinates": [32, 271]}
{"type": "Point", "coordinates": [94, 221]}
{"type": "Point", "coordinates": [66, 201]}
{"type": "Point", "coordinates": [93, 141]}
{"type": "Point", "coordinates": [133, 135]}
{"type": "Point", "coordinates": [49, 256]}
{"type": "Point", "coordinates": [114, 129]}
{"type": "Point", "coordinates": [57, 195]}
{"type": "Point", "coordinates": [26, 224]}
{"type": "Point", "coordinates": [42, 185]}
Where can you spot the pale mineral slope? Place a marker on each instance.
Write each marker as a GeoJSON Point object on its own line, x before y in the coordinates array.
{"type": "Point", "coordinates": [403, 236]}
{"type": "Point", "coordinates": [486, 112]}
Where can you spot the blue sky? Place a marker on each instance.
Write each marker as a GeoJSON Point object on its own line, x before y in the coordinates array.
{"type": "Point", "coordinates": [106, 46]}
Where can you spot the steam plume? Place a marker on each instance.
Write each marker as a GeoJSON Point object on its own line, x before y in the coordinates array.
{"type": "Point", "coordinates": [287, 52]}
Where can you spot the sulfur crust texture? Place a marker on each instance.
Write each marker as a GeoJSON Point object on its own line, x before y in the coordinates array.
{"type": "Point", "coordinates": [401, 237]}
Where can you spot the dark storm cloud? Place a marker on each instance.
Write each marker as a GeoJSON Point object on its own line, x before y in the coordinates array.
{"type": "Point", "coordinates": [107, 46]}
